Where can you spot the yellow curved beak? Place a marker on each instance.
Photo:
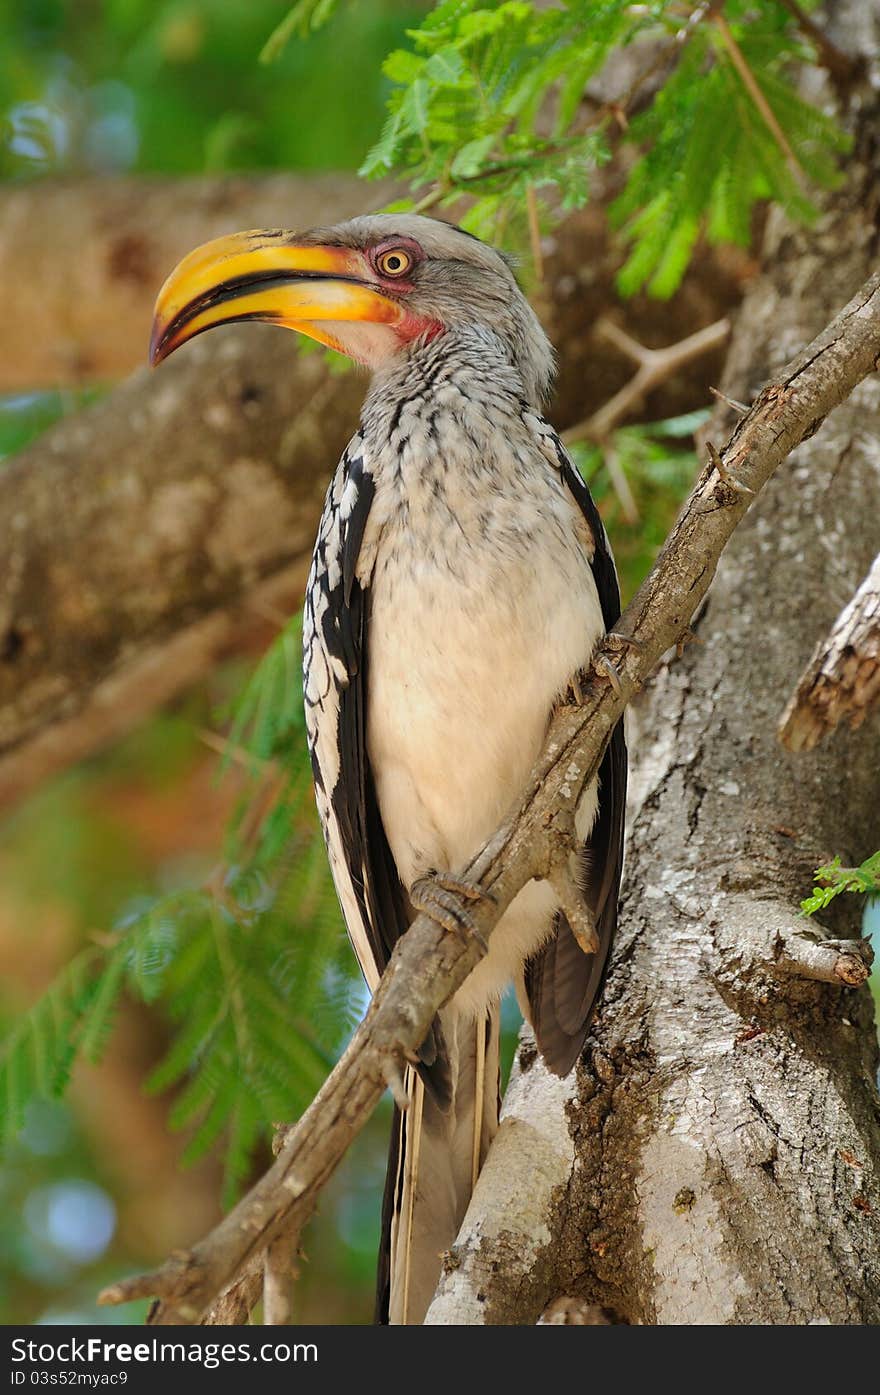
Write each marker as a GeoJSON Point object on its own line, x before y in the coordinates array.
{"type": "Point", "coordinates": [265, 276]}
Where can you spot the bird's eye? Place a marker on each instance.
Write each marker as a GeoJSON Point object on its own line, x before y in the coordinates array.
{"type": "Point", "coordinates": [394, 262]}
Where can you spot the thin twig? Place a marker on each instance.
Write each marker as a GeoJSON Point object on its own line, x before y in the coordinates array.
{"type": "Point", "coordinates": [428, 965]}
{"type": "Point", "coordinates": [231, 751]}
{"type": "Point", "coordinates": [620, 484]}
{"type": "Point", "coordinates": [739, 407]}
{"type": "Point", "coordinates": [431, 199]}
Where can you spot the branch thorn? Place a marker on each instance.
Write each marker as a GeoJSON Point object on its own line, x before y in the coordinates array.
{"type": "Point", "coordinates": [724, 474]}
{"type": "Point", "coordinates": [739, 407]}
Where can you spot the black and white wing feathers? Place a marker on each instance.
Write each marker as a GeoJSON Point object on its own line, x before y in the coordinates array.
{"type": "Point", "coordinates": [563, 983]}
{"type": "Point", "coordinates": [335, 624]}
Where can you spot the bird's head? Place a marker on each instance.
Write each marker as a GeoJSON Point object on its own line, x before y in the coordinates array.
{"type": "Point", "coordinates": [370, 288]}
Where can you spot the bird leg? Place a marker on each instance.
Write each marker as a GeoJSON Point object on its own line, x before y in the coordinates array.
{"type": "Point", "coordinates": [440, 895]}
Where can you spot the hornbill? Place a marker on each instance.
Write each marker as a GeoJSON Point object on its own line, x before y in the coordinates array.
{"type": "Point", "coordinates": [461, 579]}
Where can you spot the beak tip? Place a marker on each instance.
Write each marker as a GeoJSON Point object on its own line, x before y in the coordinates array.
{"type": "Point", "coordinates": [158, 350]}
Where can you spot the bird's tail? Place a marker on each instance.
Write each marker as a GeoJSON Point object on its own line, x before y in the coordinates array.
{"type": "Point", "coordinates": [438, 1146]}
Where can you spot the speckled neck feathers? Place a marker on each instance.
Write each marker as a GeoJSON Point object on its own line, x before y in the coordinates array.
{"type": "Point", "coordinates": [461, 373]}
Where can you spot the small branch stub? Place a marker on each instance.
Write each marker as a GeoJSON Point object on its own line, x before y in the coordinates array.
{"type": "Point", "coordinates": [846, 963]}
{"type": "Point", "coordinates": [279, 1271]}
{"type": "Point", "coordinates": [577, 912]}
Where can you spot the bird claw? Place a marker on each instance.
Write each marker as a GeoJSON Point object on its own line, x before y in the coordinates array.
{"type": "Point", "coordinates": [604, 663]}
{"type": "Point", "coordinates": [574, 693]}
{"type": "Point", "coordinates": [440, 896]}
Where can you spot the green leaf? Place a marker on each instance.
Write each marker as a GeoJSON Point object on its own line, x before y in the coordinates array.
{"type": "Point", "coordinates": [832, 880]}
{"type": "Point", "coordinates": [445, 67]}
{"type": "Point", "coordinates": [469, 159]}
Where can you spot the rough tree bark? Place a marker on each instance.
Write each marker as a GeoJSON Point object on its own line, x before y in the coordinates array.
{"type": "Point", "coordinates": [723, 1143]}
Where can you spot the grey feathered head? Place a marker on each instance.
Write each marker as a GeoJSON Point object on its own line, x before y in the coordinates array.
{"type": "Point", "coordinates": [371, 288]}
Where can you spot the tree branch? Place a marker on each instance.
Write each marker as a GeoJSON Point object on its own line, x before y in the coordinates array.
{"type": "Point", "coordinates": [428, 965]}
{"type": "Point", "coordinates": [842, 67]}
{"type": "Point", "coordinates": [806, 955]}
{"type": "Point", "coordinates": [655, 366]}
{"type": "Point", "coordinates": [506, 1225]}
{"type": "Point", "coordinates": [842, 678]}
{"type": "Point", "coordinates": [151, 676]}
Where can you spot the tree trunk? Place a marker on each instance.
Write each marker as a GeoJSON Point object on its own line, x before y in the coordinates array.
{"type": "Point", "coordinates": [726, 1126]}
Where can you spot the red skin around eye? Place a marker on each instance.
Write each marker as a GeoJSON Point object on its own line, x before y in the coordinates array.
{"type": "Point", "coordinates": [412, 326]}
{"type": "Point", "coordinates": [407, 245]}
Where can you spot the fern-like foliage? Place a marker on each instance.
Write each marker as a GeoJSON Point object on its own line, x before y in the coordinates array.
{"type": "Point", "coordinates": [832, 879]}
{"type": "Point", "coordinates": [710, 154]}
{"type": "Point", "coordinates": [252, 971]}
{"type": "Point", "coordinates": [494, 101]}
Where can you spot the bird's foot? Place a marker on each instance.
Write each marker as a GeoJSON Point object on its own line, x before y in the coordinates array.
{"type": "Point", "coordinates": [603, 663]}
{"type": "Point", "coordinates": [573, 696]}
{"type": "Point", "coordinates": [574, 693]}
{"type": "Point", "coordinates": [607, 665]}
{"type": "Point", "coordinates": [627, 641]}
{"type": "Point", "coordinates": [441, 896]}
